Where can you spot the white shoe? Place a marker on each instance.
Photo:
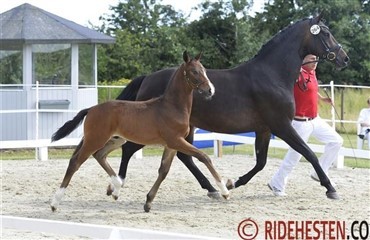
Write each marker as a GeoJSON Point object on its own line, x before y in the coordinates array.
{"type": "Point", "coordinates": [276, 191]}
{"type": "Point", "coordinates": [316, 178]}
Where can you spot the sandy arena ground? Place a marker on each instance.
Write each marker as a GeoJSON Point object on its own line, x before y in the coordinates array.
{"type": "Point", "coordinates": [181, 205]}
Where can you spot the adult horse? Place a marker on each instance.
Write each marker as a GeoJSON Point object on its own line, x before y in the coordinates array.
{"type": "Point", "coordinates": [163, 120]}
{"type": "Point", "coordinates": [254, 96]}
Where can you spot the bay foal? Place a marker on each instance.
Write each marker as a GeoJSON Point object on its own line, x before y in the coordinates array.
{"type": "Point", "coordinates": [163, 120]}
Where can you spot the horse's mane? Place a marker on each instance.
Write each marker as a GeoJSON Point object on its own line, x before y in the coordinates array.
{"type": "Point", "coordinates": [278, 36]}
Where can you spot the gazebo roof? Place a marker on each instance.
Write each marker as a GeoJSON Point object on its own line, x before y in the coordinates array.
{"type": "Point", "coordinates": [29, 24]}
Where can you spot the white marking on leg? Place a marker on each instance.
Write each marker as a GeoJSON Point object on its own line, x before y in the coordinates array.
{"type": "Point", "coordinates": [223, 188]}
{"type": "Point", "coordinates": [123, 181]}
{"type": "Point", "coordinates": [117, 183]}
{"type": "Point", "coordinates": [57, 197]}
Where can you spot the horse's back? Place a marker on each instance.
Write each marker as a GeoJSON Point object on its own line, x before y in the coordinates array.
{"type": "Point", "coordinates": [155, 84]}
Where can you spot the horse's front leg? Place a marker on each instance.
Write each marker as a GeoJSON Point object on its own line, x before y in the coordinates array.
{"type": "Point", "coordinates": [292, 138]}
{"type": "Point", "coordinates": [167, 158]}
{"type": "Point", "coordinates": [261, 147]}
{"type": "Point", "coordinates": [101, 156]}
{"type": "Point", "coordinates": [128, 150]}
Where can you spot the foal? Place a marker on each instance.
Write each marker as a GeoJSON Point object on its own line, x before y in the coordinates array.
{"type": "Point", "coordinates": [163, 120]}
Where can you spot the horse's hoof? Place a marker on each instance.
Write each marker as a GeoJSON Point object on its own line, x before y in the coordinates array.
{"type": "Point", "coordinates": [230, 184]}
{"type": "Point", "coordinates": [332, 195]}
{"type": "Point", "coordinates": [147, 207]}
{"type": "Point", "coordinates": [115, 197]}
{"type": "Point", "coordinates": [109, 190]}
{"type": "Point", "coordinates": [226, 196]}
{"type": "Point", "coordinates": [53, 208]}
{"type": "Point", "coordinates": [214, 195]}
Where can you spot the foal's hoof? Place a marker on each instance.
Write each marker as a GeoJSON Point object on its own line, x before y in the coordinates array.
{"type": "Point", "coordinates": [332, 195]}
{"type": "Point", "coordinates": [53, 208]}
{"type": "Point", "coordinates": [109, 190]}
{"type": "Point", "coordinates": [230, 184]}
{"type": "Point", "coordinates": [147, 207]}
{"type": "Point", "coordinates": [214, 195]}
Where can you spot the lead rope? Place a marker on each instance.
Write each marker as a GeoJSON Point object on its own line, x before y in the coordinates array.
{"type": "Point", "coordinates": [345, 130]}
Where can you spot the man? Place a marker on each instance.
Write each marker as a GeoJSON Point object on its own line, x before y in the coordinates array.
{"type": "Point", "coordinates": [364, 121]}
{"type": "Point", "coordinates": [307, 122]}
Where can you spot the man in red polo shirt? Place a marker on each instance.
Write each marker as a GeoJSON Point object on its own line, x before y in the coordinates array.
{"type": "Point", "coordinates": [307, 122]}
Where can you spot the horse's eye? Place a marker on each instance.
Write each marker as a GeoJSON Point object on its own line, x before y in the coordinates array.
{"type": "Point", "coordinates": [195, 72]}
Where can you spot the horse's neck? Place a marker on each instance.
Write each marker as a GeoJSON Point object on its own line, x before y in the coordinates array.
{"type": "Point", "coordinates": [284, 53]}
{"type": "Point", "coordinates": [178, 91]}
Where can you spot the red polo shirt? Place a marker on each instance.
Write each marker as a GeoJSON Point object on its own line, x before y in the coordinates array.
{"type": "Point", "coordinates": [305, 94]}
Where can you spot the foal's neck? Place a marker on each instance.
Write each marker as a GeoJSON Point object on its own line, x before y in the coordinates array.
{"type": "Point", "coordinates": [178, 91]}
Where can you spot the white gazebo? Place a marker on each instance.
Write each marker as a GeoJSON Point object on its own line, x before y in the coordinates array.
{"type": "Point", "coordinates": [61, 56]}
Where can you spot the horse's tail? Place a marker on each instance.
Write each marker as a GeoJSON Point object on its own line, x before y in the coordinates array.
{"type": "Point", "coordinates": [129, 93]}
{"type": "Point", "coordinates": [69, 126]}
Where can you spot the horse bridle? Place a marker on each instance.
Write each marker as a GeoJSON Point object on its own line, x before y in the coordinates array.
{"type": "Point", "coordinates": [193, 85]}
{"type": "Point", "coordinates": [330, 53]}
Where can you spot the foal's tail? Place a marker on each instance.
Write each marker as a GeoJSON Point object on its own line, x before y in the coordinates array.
{"type": "Point", "coordinates": [69, 126]}
{"type": "Point", "coordinates": [129, 93]}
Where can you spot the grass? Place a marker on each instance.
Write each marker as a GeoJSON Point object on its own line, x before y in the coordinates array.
{"type": "Point", "coordinates": [242, 149]}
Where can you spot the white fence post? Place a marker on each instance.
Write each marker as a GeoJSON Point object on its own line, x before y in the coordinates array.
{"type": "Point", "coordinates": [332, 106]}
{"type": "Point", "coordinates": [41, 153]}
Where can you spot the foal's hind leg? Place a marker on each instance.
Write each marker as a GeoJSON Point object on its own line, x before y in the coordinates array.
{"type": "Point", "coordinates": [101, 156]}
{"type": "Point", "coordinates": [167, 157]}
{"type": "Point", "coordinates": [78, 158]}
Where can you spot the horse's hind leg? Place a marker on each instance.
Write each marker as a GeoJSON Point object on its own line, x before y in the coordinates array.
{"type": "Point", "coordinates": [77, 159]}
{"type": "Point", "coordinates": [261, 148]}
{"type": "Point", "coordinates": [183, 146]}
{"type": "Point", "coordinates": [189, 163]}
{"type": "Point", "coordinates": [167, 157]}
{"type": "Point", "coordinates": [101, 156]}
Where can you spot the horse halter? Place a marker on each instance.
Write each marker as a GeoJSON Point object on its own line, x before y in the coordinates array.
{"type": "Point", "coordinates": [330, 53]}
{"type": "Point", "coordinates": [193, 85]}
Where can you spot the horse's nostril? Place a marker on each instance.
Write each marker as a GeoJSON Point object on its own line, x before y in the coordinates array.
{"type": "Point", "coordinates": [346, 59]}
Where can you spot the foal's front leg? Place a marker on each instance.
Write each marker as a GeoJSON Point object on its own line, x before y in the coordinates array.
{"type": "Point", "coordinates": [183, 146]}
{"type": "Point", "coordinates": [101, 156]}
{"type": "Point", "coordinates": [167, 158]}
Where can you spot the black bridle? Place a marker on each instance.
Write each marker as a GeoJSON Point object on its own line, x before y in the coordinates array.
{"type": "Point", "coordinates": [330, 53]}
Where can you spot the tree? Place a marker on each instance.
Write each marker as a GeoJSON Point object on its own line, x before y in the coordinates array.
{"type": "Point", "coordinates": [147, 35]}
{"type": "Point", "coordinates": [348, 20]}
{"type": "Point", "coordinates": [221, 33]}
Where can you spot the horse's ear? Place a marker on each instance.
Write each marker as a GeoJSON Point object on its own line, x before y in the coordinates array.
{"type": "Point", "coordinates": [186, 57]}
{"type": "Point", "coordinates": [199, 56]}
{"type": "Point", "coordinates": [318, 18]}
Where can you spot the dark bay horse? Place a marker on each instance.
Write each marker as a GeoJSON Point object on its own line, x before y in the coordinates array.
{"type": "Point", "coordinates": [163, 120]}
{"type": "Point", "coordinates": [254, 96]}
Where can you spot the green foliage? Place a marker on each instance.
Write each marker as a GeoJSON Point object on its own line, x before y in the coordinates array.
{"type": "Point", "coordinates": [11, 67]}
{"type": "Point", "coordinates": [110, 93]}
{"type": "Point", "coordinates": [151, 36]}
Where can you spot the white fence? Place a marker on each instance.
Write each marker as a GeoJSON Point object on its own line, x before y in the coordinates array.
{"type": "Point", "coordinates": [88, 230]}
{"type": "Point", "coordinates": [41, 145]}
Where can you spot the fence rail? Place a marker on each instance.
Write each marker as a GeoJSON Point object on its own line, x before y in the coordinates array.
{"type": "Point", "coordinates": [41, 145]}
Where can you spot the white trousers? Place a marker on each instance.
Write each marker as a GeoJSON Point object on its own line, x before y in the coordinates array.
{"type": "Point", "coordinates": [319, 129]}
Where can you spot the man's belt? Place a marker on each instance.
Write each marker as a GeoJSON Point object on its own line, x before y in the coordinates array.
{"type": "Point", "coordinates": [302, 119]}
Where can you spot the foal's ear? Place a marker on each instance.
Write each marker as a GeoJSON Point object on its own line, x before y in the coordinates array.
{"type": "Point", "coordinates": [199, 56]}
{"type": "Point", "coordinates": [186, 57]}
